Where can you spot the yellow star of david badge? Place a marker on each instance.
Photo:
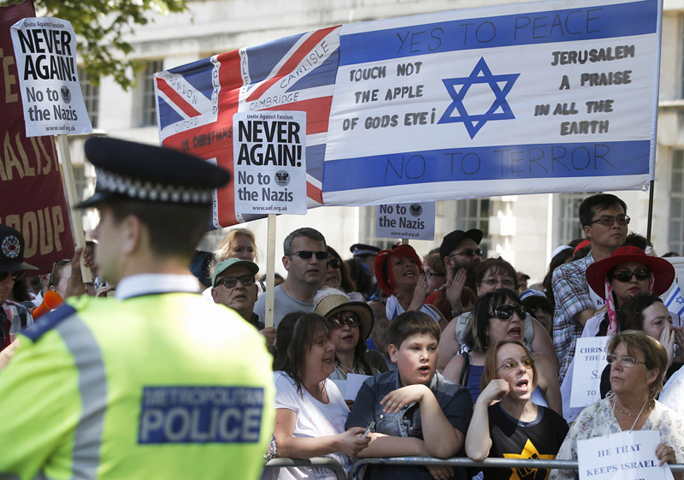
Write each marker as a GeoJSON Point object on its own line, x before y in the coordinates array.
{"type": "Point", "coordinates": [529, 451]}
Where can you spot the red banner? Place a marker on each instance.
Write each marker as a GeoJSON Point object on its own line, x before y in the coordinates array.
{"type": "Point", "coordinates": [31, 194]}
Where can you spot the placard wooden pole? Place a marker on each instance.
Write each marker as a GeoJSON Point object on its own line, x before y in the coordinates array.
{"type": "Point", "coordinates": [270, 270]}
{"type": "Point", "coordinates": [72, 199]}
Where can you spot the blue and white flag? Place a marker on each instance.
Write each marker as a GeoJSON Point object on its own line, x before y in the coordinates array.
{"type": "Point", "coordinates": [533, 98]}
{"type": "Point", "coordinates": [675, 301]}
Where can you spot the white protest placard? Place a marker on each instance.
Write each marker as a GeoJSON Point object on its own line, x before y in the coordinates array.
{"type": "Point", "coordinates": [590, 360]}
{"type": "Point", "coordinates": [270, 162]}
{"type": "Point", "coordinates": [45, 52]}
{"type": "Point", "coordinates": [621, 456]}
{"type": "Point", "coordinates": [349, 388]}
{"type": "Point", "coordinates": [354, 382]}
{"type": "Point", "coordinates": [406, 220]}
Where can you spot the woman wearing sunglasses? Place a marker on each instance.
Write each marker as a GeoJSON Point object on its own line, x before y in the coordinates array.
{"type": "Point", "coordinates": [350, 325]}
{"type": "Point", "coordinates": [499, 316]}
{"type": "Point", "coordinates": [616, 279]}
{"type": "Point", "coordinates": [337, 276]}
{"type": "Point", "coordinates": [628, 272]}
{"type": "Point", "coordinates": [505, 420]}
{"type": "Point", "coordinates": [638, 363]}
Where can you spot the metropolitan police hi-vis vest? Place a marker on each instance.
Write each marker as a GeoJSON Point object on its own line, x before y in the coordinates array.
{"type": "Point", "coordinates": [158, 386]}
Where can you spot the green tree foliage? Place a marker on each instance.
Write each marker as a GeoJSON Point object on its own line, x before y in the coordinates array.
{"type": "Point", "coordinates": [101, 26]}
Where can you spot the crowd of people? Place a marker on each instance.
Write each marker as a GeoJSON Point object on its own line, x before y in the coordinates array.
{"type": "Point", "coordinates": [457, 357]}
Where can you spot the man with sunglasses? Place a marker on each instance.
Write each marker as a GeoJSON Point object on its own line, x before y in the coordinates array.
{"type": "Point", "coordinates": [13, 316]}
{"type": "Point", "coordinates": [233, 285]}
{"type": "Point", "coordinates": [604, 221]}
{"type": "Point", "coordinates": [306, 260]}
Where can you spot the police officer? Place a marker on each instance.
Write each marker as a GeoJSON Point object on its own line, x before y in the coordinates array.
{"type": "Point", "coordinates": [157, 383]}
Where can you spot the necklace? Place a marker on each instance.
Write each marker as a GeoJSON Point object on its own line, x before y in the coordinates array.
{"type": "Point", "coordinates": [615, 404]}
{"type": "Point", "coordinates": [345, 369]}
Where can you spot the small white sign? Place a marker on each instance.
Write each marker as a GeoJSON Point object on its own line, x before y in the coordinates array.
{"type": "Point", "coordinates": [45, 52]}
{"type": "Point", "coordinates": [349, 388]}
{"type": "Point", "coordinates": [590, 360]}
{"type": "Point", "coordinates": [270, 162]}
{"type": "Point", "coordinates": [621, 456]}
{"type": "Point", "coordinates": [406, 220]}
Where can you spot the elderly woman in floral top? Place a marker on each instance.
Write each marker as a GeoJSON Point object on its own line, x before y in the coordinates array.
{"type": "Point", "coordinates": [638, 364]}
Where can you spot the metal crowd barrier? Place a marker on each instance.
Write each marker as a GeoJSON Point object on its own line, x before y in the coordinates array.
{"type": "Point", "coordinates": [466, 462]}
{"type": "Point", "coordinates": [325, 462]}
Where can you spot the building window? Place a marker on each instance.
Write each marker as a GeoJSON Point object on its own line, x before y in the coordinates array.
{"type": "Point", "coordinates": [568, 226]}
{"type": "Point", "coordinates": [676, 238]}
{"type": "Point", "coordinates": [91, 96]}
{"type": "Point", "coordinates": [474, 213]}
{"type": "Point", "coordinates": [149, 102]}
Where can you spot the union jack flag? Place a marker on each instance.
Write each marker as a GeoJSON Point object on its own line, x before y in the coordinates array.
{"type": "Point", "coordinates": [196, 103]}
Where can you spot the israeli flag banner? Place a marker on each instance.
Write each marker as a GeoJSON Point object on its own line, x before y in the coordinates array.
{"type": "Point", "coordinates": [533, 98]}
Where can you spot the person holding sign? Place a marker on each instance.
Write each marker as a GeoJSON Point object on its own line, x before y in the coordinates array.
{"type": "Point", "coordinates": [499, 316]}
{"type": "Point", "coordinates": [513, 427]}
{"type": "Point", "coordinates": [638, 363]}
{"type": "Point", "coordinates": [627, 273]}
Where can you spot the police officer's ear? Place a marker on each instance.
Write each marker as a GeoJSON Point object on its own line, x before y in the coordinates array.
{"type": "Point", "coordinates": [214, 294]}
{"type": "Point", "coordinates": [134, 235]}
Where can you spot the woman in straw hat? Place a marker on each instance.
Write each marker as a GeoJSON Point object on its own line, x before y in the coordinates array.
{"type": "Point", "coordinates": [350, 325]}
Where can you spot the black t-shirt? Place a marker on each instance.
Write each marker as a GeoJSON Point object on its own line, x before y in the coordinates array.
{"type": "Point", "coordinates": [514, 439]}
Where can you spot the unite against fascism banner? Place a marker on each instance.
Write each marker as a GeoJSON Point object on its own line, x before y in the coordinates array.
{"type": "Point", "coordinates": [31, 194]}
{"type": "Point", "coordinates": [531, 98]}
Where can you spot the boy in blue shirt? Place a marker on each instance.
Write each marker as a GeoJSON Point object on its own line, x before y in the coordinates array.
{"type": "Point", "coordinates": [417, 412]}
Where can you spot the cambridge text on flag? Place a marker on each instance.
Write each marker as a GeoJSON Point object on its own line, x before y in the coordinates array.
{"type": "Point", "coordinates": [196, 103]}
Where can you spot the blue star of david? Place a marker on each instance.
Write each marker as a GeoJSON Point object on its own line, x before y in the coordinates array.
{"type": "Point", "coordinates": [679, 300]}
{"type": "Point", "coordinates": [500, 110]}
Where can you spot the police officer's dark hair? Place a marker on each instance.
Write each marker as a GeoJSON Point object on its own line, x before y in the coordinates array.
{"type": "Point", "coordinates": [312, 233]}
{"type": "Point", "coordinates": [294, 338]}
{"type": "Point", "coordinates": [412, 323]}
{"type": "Point", "coordinates": [631, 314]}
{"type": "Point", "coordinates": [175, 230]}
{"type": "Point", "coordinates": [601, 201]}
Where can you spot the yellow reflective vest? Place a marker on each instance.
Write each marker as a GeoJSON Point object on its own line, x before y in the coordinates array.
{"type": "Point", "coordinates": [163, 386]}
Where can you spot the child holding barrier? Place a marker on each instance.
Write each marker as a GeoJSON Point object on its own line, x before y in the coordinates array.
{"type": "Point", "coordinates": [415, 410]}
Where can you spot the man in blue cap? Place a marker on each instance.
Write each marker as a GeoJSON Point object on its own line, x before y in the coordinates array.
{"type": "Point", "coordinates": [157, 383]}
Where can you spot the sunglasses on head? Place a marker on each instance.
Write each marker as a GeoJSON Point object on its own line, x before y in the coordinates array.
{"type": "Point", "coordinates": [307, 254]}
{"type": "Point", "coordinates": [230, 282]}
{"type": "Point", "coordinates": [15, 275]}
{"type": "Point", "coordinates": [335, 263]}
{"type": "Point", "coordinates": [626, 276]}
{"type": "Point", "coordinates": [505, 312]}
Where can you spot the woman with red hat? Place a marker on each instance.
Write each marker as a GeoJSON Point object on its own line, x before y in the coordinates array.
{"type": "Point", "coordinates": [616, 279]}
{"type": "Point", "coordinates": [626, 273]}
{"type": "Point", "coordinates": [399, 273]}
